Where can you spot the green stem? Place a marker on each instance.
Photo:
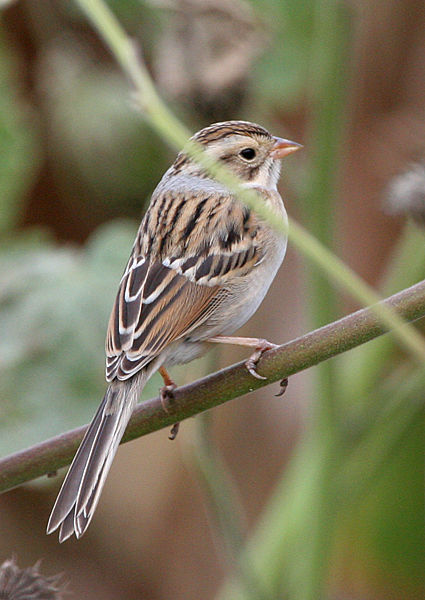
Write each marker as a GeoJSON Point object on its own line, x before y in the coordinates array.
{"type": "Point", "coordinates": [157, 113]}
{"type": "Point", "coordinates": [173, 132]}
{"type": "Point", "coordinates": [347, 280]}
{"type": "Point", "coordinates": [329, 84]}
{"type": "Point", "coordinates": [226, 508]}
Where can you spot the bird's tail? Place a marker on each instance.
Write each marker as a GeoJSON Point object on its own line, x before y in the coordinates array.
{"type": "Point", "coordinates": [82, 486]}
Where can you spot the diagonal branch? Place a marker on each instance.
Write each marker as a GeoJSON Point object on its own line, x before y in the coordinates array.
{"type": "Point", "coordinates": [227, 384]}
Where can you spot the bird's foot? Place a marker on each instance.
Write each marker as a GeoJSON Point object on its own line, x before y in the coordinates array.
{"type": "Point", "coordinates": [251, 363]}
{"type": "Point", "coordinates": [166, 394]}
{"type": "Point", "coordinates": [259, 344]}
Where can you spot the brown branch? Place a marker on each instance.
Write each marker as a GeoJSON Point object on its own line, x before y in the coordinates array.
{"type": "Point", "coordinates": [220, 387]}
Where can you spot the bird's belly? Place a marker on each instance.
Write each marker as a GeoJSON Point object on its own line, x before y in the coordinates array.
{"type": "Point", "coordinates": [247, 297]}
{"type": "Point", "coordinates": [184, 351]}
{"type": "Point", "coordinates": [240, 304]}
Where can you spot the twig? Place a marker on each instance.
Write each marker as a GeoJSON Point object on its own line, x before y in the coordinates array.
{"type": "Point", "coordinates": [315, 347]}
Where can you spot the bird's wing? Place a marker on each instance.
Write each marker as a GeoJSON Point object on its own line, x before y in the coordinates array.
{"type": "Point", "coordinates": [187, 250]}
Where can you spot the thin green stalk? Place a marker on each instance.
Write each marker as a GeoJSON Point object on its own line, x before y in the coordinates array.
{"type": "Point", "coordinates": [347, 280]}
{"type": "Point", "coordinates": [161, 119]}
{"type": "Point", "coordinates": [381, 437]}
{"type": "Point", "coordinates": [226, 508]}
{"type": "Point", "coordinates": [157, 113]}
{"type": "Point", "coordinates": [327, 132]}
{"type": "Point", "coordinates": [406, 265]}
{"type": "Point", "coordinates": [329, 84]}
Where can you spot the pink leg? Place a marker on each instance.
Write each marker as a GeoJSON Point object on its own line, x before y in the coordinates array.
{"type": "Point", "coordinates": [167, 390]}
{"type": "Point", "coordinates": [259, 344]}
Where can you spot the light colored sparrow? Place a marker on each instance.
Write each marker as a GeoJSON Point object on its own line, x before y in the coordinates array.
{"type": "Point", "coordinates": [201, 264]}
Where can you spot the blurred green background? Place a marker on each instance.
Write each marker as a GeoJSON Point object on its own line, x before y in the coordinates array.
{"type": "Point", "coordinates": [323, 488]}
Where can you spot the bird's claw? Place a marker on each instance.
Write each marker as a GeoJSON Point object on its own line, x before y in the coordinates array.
{"type": "Point", "coordinates": [166, 394]}
{"type": "Point", "coordinates": [174, 431]}
{"type": "Point", "coordinates": [283, 386]}
{"type": "Point", "coordinates": [251, 363]}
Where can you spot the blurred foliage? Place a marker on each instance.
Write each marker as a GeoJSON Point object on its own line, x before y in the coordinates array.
{"type": "Point", "coordinates": [97, 142]}
{"type": "Point", "coordinates": [280, 76]}
{"type": "Point", "coordinates": [75, 153]}
{"type": "Point", "coordinates": [54, 309]}
{"type": "Point", "coordinates": [19, 150]}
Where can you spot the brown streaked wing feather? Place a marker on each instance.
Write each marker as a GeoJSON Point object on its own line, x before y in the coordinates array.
{"type": "Point", "coordinates": [126, 309]}
{"type": "Point", "coordinates": [177, 309]}
{"type": "Point", "coordinates": [165, 296]}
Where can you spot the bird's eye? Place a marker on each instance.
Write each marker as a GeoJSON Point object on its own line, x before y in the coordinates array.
{"type": "Point", "coordinates": [248, 153]}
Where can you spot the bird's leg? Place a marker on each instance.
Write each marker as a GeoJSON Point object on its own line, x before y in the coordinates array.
{"type": "Point", "coordinates": [166, 393]}
{"type": "Point", "coordinates": [167, 390]}
{"type": "Point", "coordinates": [259, 344]}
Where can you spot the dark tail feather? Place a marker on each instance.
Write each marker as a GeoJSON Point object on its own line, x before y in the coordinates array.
{"type": "Point", "coordinates": [82, 486]}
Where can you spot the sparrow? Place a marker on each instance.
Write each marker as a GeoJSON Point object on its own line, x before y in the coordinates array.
{"type": "Point", "coordinates": [200, 266]}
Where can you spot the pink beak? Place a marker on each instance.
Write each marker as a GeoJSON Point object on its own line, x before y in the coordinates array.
{"type": "Point", "coordinates": [283, 147]}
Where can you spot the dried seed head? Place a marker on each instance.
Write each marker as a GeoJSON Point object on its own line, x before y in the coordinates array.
{"type": "Point", "coordinates": [406, 194]}
{"type": "Point", "coordinates": [28, 584]}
